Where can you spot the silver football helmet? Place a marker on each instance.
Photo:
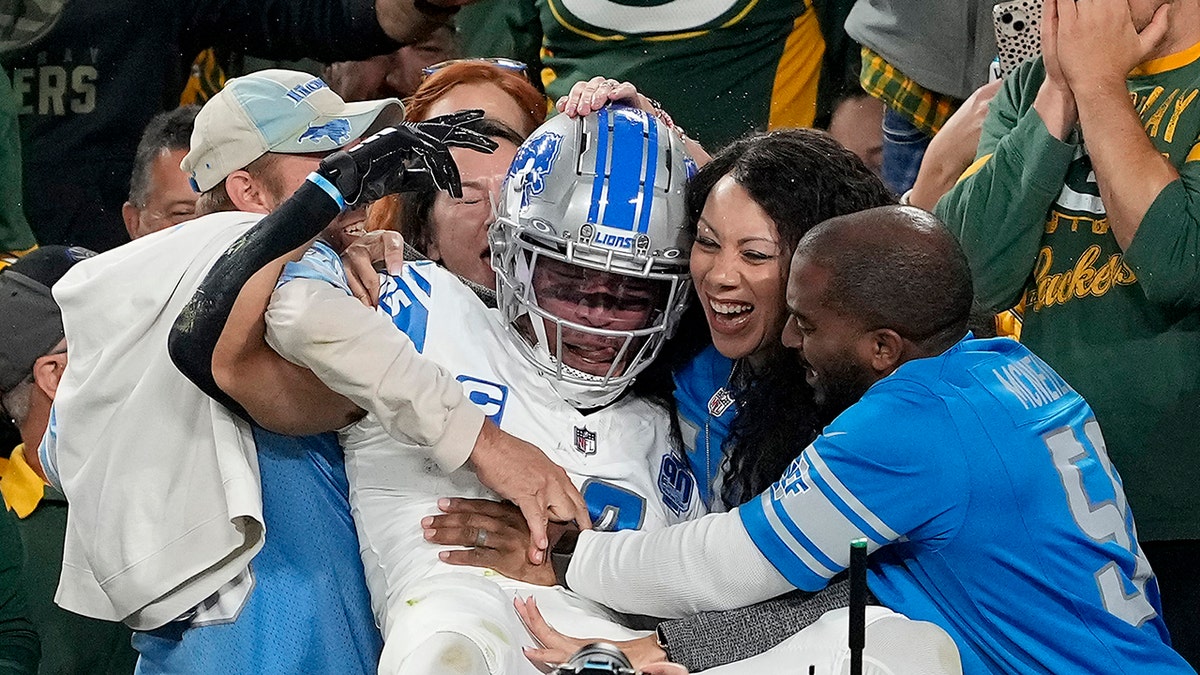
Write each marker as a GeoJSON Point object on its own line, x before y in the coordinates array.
{"type": "Point", "coordinates": [601, 196]}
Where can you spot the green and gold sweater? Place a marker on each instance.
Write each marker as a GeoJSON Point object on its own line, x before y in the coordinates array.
{"type": "Point", "coordinates": [1121, 326]}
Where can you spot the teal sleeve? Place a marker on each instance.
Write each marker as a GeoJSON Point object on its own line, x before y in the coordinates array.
{"type": "Point", "coordinates": [1165, 252]}
{"type": "Point", "coordinates": [998, 209]}
{"type": "Point", "coordinates": [20, 649]}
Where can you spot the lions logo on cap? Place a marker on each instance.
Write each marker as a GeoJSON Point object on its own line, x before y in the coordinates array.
{"type": "Point", "coordinates": [337, 130]}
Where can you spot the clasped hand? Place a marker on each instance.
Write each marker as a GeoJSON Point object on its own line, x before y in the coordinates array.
{"type": "Point", "coordinates": [1090, 44]}
{"type": "Point", "coordinates": [494, 535]}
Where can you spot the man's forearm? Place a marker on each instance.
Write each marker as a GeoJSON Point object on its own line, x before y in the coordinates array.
{"type": "Point", "coordinates": [201, 326]}
{"type": "Point", "coordinates": [1057, 109]}
{"type": "Point", "coordinates": [702, 565]}
{"type": "Point", "coordinates": [278, 395]}
{"type": "Point", "coordinates": [362, 356]}
{"type": "Point", "coordinates": [1130, 171]}
{"type": "Point", "coordinates": [999, 207]}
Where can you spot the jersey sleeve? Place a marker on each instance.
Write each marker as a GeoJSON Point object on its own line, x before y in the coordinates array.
{"type": "Point", "coordinates": [887, 467]}
{"type": "Point", "coordinates": [313, 321]}
{"type": "Point", "coordinates": [998, 208]}
{"type": "Point", "coordinates": [677, 488]}
{"type": "Point", "coordinates": [406, 298]}
{"type": "Point", "coordinates": [707, 564]}
{"type": "Point", "coordinates": [1165, 252]}
{"type": "Point", "coordinates": [319, 262]}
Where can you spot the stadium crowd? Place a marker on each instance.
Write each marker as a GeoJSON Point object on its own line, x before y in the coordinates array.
{"type": "Point", "coordinates": [433, 337]}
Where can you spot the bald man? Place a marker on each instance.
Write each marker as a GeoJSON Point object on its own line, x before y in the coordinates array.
{"type": "Point", "coordinates": [978, 476]}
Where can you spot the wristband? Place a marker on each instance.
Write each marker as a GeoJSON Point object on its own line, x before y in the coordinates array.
{"type": "Point", "coordinates": [659, 112]}
{"type": "Point", "coordinates": [663, 116]}
{"type": "Point", "coordinates": [560, 555]}
{"type": "Point", "coordinates": [559, 563]}
{"type": "Point", "coordinates": [329, 188]}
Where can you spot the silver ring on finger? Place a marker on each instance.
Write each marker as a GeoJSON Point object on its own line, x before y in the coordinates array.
{"type": "Point", "coordinates": [480, 538]}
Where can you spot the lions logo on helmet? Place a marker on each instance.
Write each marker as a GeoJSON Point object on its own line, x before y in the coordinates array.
{"type": "Point", "coordinates": [603, 193]}
{"type": "Point", "coordinates": [535, 158]}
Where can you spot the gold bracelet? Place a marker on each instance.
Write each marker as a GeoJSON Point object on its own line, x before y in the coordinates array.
{"type": "Point", "coordinates": [663, 116]}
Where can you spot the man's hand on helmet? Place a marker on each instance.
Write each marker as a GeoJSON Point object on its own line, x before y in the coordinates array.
{"type": "Point", "coordinates": [390, 161]}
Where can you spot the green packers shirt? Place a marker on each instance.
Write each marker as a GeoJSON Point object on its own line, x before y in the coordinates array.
{"type": "Point", "coordinates": [720, 67]}
{"type": "Point", "coordinates": [1121, 326]}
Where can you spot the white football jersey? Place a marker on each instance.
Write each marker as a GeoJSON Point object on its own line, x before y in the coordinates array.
{"type": "Point", "coordinates": [619, 456]}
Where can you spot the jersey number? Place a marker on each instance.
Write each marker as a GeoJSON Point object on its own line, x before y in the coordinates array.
{"type": "Point", "coordinates": [1105, 521]}
{"type": "Point", "coordinates": [613, 508]}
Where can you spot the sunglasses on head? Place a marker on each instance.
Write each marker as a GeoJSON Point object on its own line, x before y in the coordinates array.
{"type": "Point", "coordinates": [511, 65]}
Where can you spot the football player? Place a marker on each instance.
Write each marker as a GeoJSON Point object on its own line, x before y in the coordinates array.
{"type": "Point", "coordinates": [590, 249]}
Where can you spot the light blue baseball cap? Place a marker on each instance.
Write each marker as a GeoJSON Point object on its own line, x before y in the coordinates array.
{"type": "Point", "coordinates": [276, 111]}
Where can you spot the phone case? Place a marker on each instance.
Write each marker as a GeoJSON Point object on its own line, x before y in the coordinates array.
{"type": "Point", "coordinates": [1018, 32]}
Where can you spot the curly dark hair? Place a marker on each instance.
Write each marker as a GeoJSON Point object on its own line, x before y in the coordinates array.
{"type": "Point", "coordinates": [800, 177]}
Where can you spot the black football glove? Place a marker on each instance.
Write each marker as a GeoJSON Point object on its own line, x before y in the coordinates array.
{"type": "Point", "coordinates": [389, 161]}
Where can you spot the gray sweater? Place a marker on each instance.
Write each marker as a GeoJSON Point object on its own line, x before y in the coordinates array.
{"type": "Point", "coordinates": [711, 639]}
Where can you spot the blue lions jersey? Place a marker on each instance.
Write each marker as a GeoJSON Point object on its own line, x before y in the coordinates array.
{"type": "Point", "coordinates": [308, 611]}
{"type": "Point", "coordinates": [980, 480]}
{"type": "Point", "coordinates": [705, 410]}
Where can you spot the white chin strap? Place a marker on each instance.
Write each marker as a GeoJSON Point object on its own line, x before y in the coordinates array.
{"type": "Point", "coordinates": [581, 395]}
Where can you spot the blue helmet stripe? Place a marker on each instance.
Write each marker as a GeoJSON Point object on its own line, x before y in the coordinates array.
{"type": "Point", "coordinates": [624, 193]}
{"type": "Point", "coordinates": [651, 170]}
{"type": "Point", "coordinates": [601, 165]}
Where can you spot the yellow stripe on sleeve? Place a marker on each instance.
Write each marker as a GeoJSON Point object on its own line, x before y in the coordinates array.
{"type": "Point", "coordinates": [974, 168]}
{"type": "Point", "coordinates": [1194, 154]}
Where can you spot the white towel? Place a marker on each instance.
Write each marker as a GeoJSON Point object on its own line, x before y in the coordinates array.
{"type": "Point", "coordinates": [165, 501]}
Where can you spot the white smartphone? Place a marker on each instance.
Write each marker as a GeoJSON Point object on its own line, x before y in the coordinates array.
{"type": "Point", "coordinates": [1018, 32]}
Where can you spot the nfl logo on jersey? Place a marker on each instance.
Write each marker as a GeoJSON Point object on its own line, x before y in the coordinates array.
{"type": "Point", "coordinates": [720, 402]}
{"type": "Point", "coordinates": [585, 441]}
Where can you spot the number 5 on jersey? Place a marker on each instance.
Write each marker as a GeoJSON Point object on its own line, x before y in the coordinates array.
{"type": "Point", "coordinates": [1105, 521]}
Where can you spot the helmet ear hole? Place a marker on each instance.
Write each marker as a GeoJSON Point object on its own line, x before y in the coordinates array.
{"type": "Point", "coordinates": [605, 193]}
